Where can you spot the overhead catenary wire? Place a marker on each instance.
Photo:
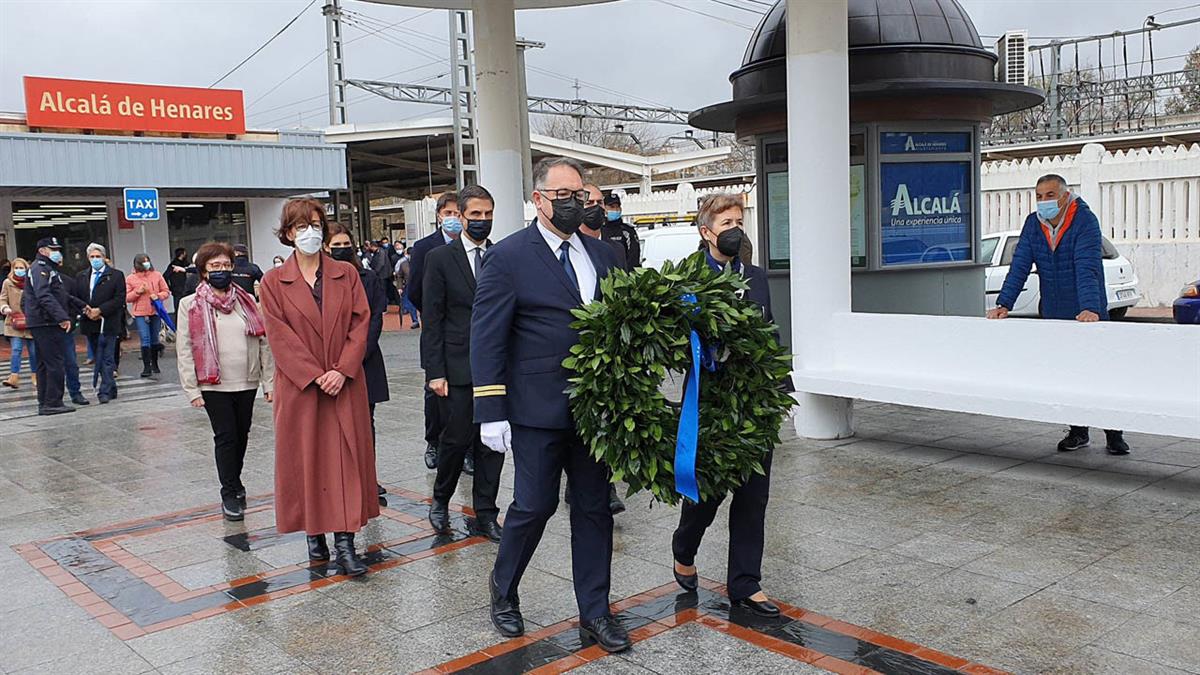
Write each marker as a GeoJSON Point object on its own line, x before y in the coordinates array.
{"type": "Point", "coordinates": [263, 46]}
{"type": "Point", "coordinates": [693, 10]}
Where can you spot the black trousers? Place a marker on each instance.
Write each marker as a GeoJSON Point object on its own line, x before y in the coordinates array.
{"type": "Point", "coordinates": [540, 456]}
{"type": "Point", "coordinates": [747, 518]}
{"type": "Point", "coordinates": [230, 413]}
{"type": "Point", "coordinates": [460, 437]}
{"type": "Point", "coordinates": [433, 418]}
{"type": "Point", "coordinates": [1083, 431]}
{"type": "Point", "coordinates": [51, 365]}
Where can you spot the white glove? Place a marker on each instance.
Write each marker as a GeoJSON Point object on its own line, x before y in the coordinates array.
{"type": "Point", "coordinates": [496, 435]}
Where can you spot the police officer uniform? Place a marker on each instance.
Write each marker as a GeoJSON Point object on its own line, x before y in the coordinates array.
{"type": "Point", "coordinates": [46, 309]}
{"type": "Point", "coordinates": [622, 236]}
{"type": "Point", "coordinates": [245, 273]}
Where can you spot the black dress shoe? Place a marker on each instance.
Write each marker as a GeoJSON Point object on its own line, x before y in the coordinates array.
{"type": "Point", "coordinates": [506, 611]}
{"type": "Point", "coordinates": [439, 516]}
{"type": "Point", "coordinates": [78, 399]}
{"type": "Point", "coordinates": [345, 557]}
{"type": "Point", "coordinates": [104, 399]}
{"type": "Point", "coordinates": [490, 529]}
{"type": "Point", "coordinates": [469, 465]}
{"type": "Point", "coordinates": [1116, 443]}
{"type": "Point", "coordinates": [615, 505]}
{"type": "Point", "coordinates": [605, 631]}
{"type": "Point", "coordinates": [241, 497]}
{"type": "Point", "coordinates": [232, 510]}
{"type": "Point", "coordinates": [760, 607]}
{"type": "Point", "coordinates": [688, 582]}
{"type": "Point", "coordinates": [431, 456]}
{"type": "Point", "coordinates": [55, 410]}
{"type": "Point", "coordinates": [318, 549]}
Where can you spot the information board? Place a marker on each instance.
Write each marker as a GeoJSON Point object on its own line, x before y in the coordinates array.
{"type": "Point", "coordinates": [779, 253]}
{"type": "Point", "coordinates": [926, 214]}
{"type": "Point", "coordinates": [858, 215]}
{"type": "Point", "coordinates": [923, 143]}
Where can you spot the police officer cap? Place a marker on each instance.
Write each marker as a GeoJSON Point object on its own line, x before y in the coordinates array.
{"type": "Point", "coordinates": [613, 199]}
{"type": "Point", "coordinates": [240, 249]}
{"type": "Point", "coordinates": [49, 242]}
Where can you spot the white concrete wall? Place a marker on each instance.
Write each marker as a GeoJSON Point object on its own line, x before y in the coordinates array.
{"type": "Point", "coordinates": [262, 216]}
{"type": "Point", "coordinates": [1147, 200]}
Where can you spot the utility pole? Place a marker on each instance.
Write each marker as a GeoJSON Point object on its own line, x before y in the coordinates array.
{"type": "Point", "coordinates": [578, 118]}
{"type": "Point", "coordinates": [333, 55]}
{"type": "Point", "coordinates": [1054, 101]}
{"type": "Point", "coordinates": [526, 153]}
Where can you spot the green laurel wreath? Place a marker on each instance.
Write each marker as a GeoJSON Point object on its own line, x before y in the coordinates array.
{"type": "Point", "coordinates": [635, 335]}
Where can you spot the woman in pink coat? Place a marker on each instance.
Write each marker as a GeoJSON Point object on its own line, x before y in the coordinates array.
{"type": "Point", "coordinates": [317, 319]}
{"type": "Point", "coordinates": [143, 285]}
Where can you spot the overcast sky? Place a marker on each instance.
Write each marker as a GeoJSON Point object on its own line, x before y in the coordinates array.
{"type": "Point", "coordinates": [677, 53]}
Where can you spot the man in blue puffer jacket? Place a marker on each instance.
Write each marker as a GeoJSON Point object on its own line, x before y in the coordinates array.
{"type": "Point", "coordinates": [1063, 239]}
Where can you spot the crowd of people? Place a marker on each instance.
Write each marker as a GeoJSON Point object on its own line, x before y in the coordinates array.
{"type": "Point", "coordinates": [496, 326]}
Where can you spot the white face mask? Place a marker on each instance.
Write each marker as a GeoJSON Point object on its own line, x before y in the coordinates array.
{"type": "Point", "coordinates": [309, 240]}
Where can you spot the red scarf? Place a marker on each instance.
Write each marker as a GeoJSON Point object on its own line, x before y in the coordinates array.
{"type": "Point", "coordinates": [19, 282]}
{"type": "Point", "coordinates": [202, 326]}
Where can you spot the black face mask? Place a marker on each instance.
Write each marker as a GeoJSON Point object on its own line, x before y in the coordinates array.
{"type": "Point", "coordinates": [729, 242]}
{"type": "Point", "coordinates": [220, 279]}
{"type": "Point", "coordinates": [567, 215]}
{"type": "Point", "coordinates": [593, 216]}
{"type": "Point", "coordinates": [478, 230]}
{"type": "Point", "coordinates": [343, 253]}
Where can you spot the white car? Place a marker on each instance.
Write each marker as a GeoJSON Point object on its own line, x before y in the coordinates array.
{"type": "Point", "coordinates": [1119, 277]}
{"type": "Point", "coordinates": [668, 243]}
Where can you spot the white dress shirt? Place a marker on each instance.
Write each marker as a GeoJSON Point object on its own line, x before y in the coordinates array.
{"type": "Point", "coordinates": [470, 247]}
{"type": "Point", "coordinates": [584, 270]}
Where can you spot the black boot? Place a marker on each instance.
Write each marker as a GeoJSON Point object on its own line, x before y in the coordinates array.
{"type": "Point", "coordinates": [346, 558]}
{"type": "Point", "coordinates": [154, 352]}
{"type": "Point", "coordinates": [318, 550]}
{"type": "Point", "coordinates": [146, 363]}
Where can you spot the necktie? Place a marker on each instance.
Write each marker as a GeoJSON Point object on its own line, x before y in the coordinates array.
{"type": "Point", "coordinates": [95, 279]}
{"type": "Point", "coordinates": [564, 257]}
{"type": "Point", "coordinates": [478, 261]}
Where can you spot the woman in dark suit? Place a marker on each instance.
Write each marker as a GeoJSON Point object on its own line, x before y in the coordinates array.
{"type": "Point", "coordinates": [340, 246]}
{"type": "Point", "coordinates": [317, 323]}
{"type": "Point", "coordinates": [720, 222]}
{"type": "Point", "coordinates": [101, 289]}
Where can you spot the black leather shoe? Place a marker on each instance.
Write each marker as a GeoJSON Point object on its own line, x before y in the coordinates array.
{"type": "Point", "coordinates": [469, 465]}
{"type": "Point", "coordinates": [605, 631]}
{"type": "Point", "coordinates": [506, 611]}
{"type": "Point", "coordinates": [760, 607]}
{"type": "Point", "coordinates": [688, 582]}
{"type": "Point", "coordinates": [431, 453]}
{"type": "Point", "coordinates": [55, 410]}
{"type": "Point", "coordinates": [241, 497]}
{"type": "Point", "coordinates": [78, 399]}
{"type": "Point", "coordinates": [1074, 441]}
{"type": "Point", "coordinates": [615, 505]}
{"type": "Point", "coordinates": [346, 558]}
{"type": "Point", "coordinates": [1116, 443]}
{"type": "Point", "coordinates": [490, 529]}
{"type": "Point", "coordinates": [439, 516]}
{"type": "Point", "coordinates": [318, 549]}
{"type": "Point", "coordinates": [104, 399]}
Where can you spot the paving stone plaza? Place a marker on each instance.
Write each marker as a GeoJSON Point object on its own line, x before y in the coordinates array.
{"type": "Point", "coordinates": [929, 543]}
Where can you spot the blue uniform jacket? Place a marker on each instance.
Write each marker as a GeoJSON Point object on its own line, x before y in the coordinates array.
{"type": "Point", "coordinates": [45, 302]}
{"type": "Point", "coordinates": [1071, 276]}
{"type": "Point", "coordinates": [521, 330]}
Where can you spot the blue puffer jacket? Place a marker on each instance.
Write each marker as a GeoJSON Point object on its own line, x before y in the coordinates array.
{"type": "Point", "coordinates": [1071, 276]}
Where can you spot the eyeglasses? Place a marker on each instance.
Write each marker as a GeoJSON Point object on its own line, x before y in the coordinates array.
{"type": "Point", "coordinates": [564, 193]}
{"type": "Point", "coordinates": [219, 267]}
{"type": "Point", "coordinates": [301, 227]}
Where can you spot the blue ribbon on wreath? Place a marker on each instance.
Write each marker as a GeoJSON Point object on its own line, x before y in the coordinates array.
{"type": "Point", "coordinates": [689, 417]}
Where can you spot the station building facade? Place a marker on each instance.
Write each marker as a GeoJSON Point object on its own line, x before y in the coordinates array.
{"type": "Point", "coordinates": [63, 173]}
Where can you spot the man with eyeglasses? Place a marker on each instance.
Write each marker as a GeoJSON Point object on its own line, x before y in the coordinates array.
{"type": "Point", "coordinates": [520, 334]}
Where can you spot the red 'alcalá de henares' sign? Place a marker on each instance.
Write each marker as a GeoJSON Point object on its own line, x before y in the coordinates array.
{"type": "Point", "coordinates": [85, 104]}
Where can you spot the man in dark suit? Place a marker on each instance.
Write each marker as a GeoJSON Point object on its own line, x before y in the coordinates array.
{"type": "Point", "coordinates": [101, 289]}
{"type": "Point", "coordinates": [450, 279]}
{"type": "Point", "coordinates": [449, 228]}
{"type": "Point", "coordinates": [520, 334]}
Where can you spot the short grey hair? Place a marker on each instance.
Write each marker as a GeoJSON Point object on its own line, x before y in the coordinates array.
{"type": "Point", "coordinates": [1054, 177]}
{"type": "Point", "coordinates": [542, 169]}
{"type": "Point", "coordinates": [97, 247]}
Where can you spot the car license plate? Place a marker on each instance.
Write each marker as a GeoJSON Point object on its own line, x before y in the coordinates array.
{"type": "Point", "coordinates": [1126, 294]}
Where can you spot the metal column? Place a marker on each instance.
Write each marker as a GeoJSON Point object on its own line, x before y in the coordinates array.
{"type": "Point", "coordinates": [462, 96]}
{"type": "Point", "coordinates": [523, 87]}
{"type": "Point", "coordinates": [334, 56]}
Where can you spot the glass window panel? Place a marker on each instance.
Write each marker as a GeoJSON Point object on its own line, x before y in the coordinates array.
{"type": "Point", "coordinates": [191, 223]}
{"type": "Point", "coordinates": [76, 224]}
